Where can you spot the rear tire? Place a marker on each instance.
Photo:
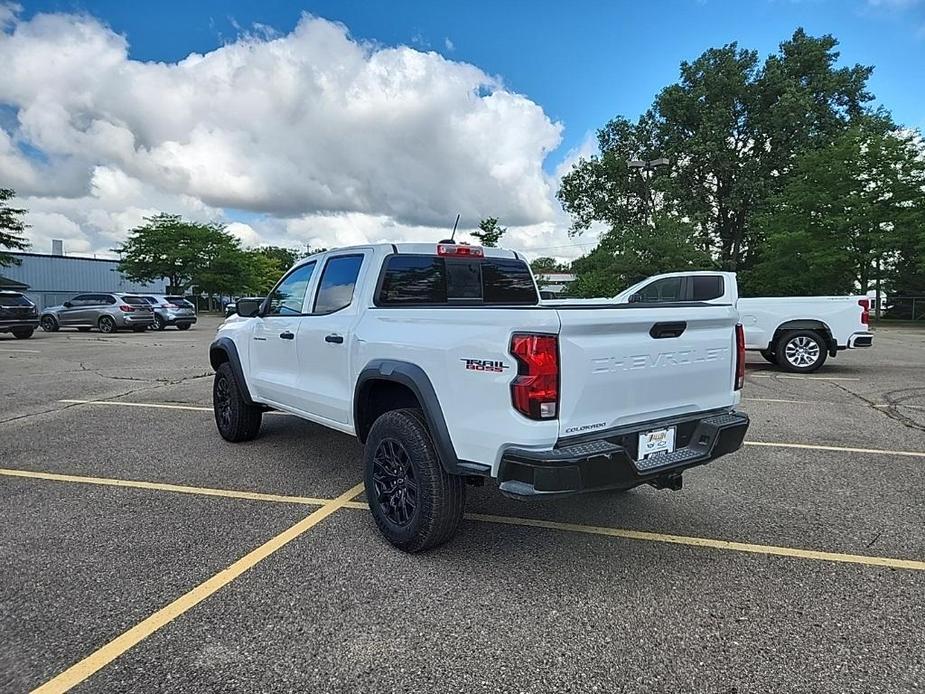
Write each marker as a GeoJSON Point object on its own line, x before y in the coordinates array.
{"type": "Point", "coordinates": [236, 420]}
{"type": "Point", "coordinates": [107, 325]}
{"type": "Point", "coordinates": [416, 504]}
{"type": "Point", "coordinates": [801, 351]}
{"type": "Point", "coordinates": [183, 326]}
{"type": "Point", "coordinates": [23, 333]}
{"type": "Point", "coordinates": [49, 324]}
{"type": "Point", "coordinates": [769, 356]}
{"type": "Point", "coordinates": [159, 323]}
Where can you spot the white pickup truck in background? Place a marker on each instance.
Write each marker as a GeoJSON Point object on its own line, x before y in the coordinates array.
{"type": "Point", "coordinates": [795, 333]}
{"type": "Point", "coordinates": [444, 362]}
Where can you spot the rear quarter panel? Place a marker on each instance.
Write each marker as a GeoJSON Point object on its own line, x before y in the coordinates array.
{"type": "Point", "coordinates": [475, 396]}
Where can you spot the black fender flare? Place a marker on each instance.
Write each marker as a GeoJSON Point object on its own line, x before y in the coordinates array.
{"type": "Point", "coordinates": [222, 350]}
{"type": "Point", "coordinates": [416, 380]}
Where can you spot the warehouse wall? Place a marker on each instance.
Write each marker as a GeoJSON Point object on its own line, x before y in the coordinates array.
{"type": "Point", "coordinates": [53, 279]}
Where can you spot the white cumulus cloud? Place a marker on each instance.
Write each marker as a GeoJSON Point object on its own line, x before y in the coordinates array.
{"type": "Point", "coordinates": [329, 139]}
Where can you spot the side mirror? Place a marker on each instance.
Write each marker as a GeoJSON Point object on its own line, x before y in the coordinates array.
{"type": "Point", "coordinates": [67, 304]}
{"type": "Point", "coordinates": [635, 298]}
{"type": "Point", "coordinates": [248, 308]}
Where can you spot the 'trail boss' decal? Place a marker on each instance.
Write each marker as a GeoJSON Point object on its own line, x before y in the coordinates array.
{"type": "Point", "coordinates": [485, 365]}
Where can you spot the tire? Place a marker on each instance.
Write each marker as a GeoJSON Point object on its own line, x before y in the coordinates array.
{"type": "Point", "coordinates": [49, 324]}
{"type": "Point", "coordinates": [424, 504]}
{"type": "Point", "coordinates": [107, 324]}
{"type": "Point", "coordinates": [801, 351]}
{"type": "Point", "coordinates": [84, 330]}
{"type": "Point", "coordinates": [23, 333]}
{"type": "Point", "coordinates": [236, 420]}
{"type": "Point", "coordinates": [769, 356]}
{"type": "Point", "coordinates": [183, 326]}
{"type": "Point", "coordinates": [159, 323]}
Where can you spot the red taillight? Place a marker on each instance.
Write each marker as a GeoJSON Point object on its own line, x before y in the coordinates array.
{"type": "Point", "coordinates": [459, 250]}
{"type": "Point", "coordinates": [535, 391]}
{"type": "Point", "coordinates": [125, 308]}
{"type": "Point", "coordinates": [740, 357]}
{"type": "Point", "coordinates": [865, 310]}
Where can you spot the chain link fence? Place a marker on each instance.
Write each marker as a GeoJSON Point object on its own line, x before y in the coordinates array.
{"type": "Point", "coordinates": [904, 308]}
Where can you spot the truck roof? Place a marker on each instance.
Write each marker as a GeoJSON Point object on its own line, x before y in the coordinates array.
{"type": "Point", "coordinates": [412, 248]}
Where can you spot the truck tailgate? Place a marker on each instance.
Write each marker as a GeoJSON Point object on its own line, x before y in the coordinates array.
{"type": "Point", "coordinates": [623, 364]}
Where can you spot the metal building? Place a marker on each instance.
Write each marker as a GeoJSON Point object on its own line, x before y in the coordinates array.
{"type": "Point", "coordinates": [53, 279]}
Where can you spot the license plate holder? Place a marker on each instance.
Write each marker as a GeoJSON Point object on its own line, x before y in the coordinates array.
{"type": "Point", "coordinates": [655, 442]}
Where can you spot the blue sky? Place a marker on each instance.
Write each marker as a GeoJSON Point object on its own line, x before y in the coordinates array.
{"type": "Point", "coordinates": [583, 62]}
{"type": "Point", "coordinates": [337, 123]}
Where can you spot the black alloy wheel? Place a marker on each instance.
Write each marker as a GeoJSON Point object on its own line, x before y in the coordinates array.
{"type": "Point", "coordinates": [396, 486]}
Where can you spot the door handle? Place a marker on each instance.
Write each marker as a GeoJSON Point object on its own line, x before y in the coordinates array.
{"type": "Point", "coordinates": [336, 339]}
{"type": "Point", "coordinates": [287, 335]}
{"type": "Point", "coordinates": [668, 329]}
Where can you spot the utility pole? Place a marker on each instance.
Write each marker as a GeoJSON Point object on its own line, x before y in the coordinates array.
{"type": "Point", "coordinates": [646, 170]}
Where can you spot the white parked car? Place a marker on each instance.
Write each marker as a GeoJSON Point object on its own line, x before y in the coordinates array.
{"type": "Point", "coordinates": [444, 362]}
{"type": "Point", "coordinates": [796, 333]}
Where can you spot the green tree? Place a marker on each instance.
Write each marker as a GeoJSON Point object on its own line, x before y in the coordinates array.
{"type": "Point", "coordinates": [545, 265]}
{"type": "Point", "coordinates": [638, 251]}
{"type": "Point", "coordinates": [186, 253]}
{"type": "Point", "coordinates": [490, 232]}
{"type": "Point", "coordinates": [12, 227]}
{"type": "Point", "coordinates": [848, 217]}
{"type": "Point", "coordinates": [732, 127]}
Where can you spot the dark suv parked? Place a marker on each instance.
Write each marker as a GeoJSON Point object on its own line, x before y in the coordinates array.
{"type": "Point", "coordinates": [18, 315]}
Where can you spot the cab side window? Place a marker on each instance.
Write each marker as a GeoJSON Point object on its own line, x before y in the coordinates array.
{"type": "Point", "coordinates": [706, 287]}
{"type": "Point", "coordinates": [335, 291]}
{"type": "Point", "coordinates": [287, 297]}
{"type": "Point", "coordinates": [663, 290]}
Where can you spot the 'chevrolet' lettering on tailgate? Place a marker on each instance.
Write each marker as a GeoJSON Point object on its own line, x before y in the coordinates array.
{"type": "Point", "coordinates": [682, 357]}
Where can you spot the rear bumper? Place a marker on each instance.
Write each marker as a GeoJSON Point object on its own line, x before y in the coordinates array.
{"type": "Point", "coordinates": [10, 324]}
{"type": "Point", "coordinates": [129, 320]}
{"type": "Point", "coordinates": [608, 461]}
{"type": "Point", "coordinates": [179, 320]}
{"type": "Point", "coordinates": [861, 340]}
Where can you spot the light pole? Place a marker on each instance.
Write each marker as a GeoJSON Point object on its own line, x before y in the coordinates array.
{"type": "Point", "coordinates": [644, 167]}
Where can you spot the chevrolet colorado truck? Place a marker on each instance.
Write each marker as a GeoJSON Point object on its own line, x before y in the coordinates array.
{"type": "Point", "coordinates": [796, 333]}
{"type": "Point", "coordinates": [442, 360]}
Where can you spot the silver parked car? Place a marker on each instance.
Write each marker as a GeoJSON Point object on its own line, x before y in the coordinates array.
{"type": "Point", "coordinates": [171, 310]}
{"type": "Point", "coordinates": [107, 312]}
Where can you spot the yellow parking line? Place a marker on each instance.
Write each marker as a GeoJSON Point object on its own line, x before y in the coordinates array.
{"type": "Point", "coordinates": [81, 670]}
{"type": "Point", "coordinates": [151, 405]}
{"type": "Point", "coordinates": [845, 449]}
{"type": "Point", "coordinates": [804, 378]}
{"type": "Point", "coordinates": [705, 542]}
{"type": "Point", "coordinates": [794, 402]}
{"type": "Point", "coordinates": [157, 486]}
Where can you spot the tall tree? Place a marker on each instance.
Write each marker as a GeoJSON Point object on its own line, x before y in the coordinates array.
{"type": "Point", "coordinates": [186, 253]}
{"type": "Point", "coordinates": [490, 232]}
{"type": "Point", "coordinates": [544, 265]}
{"type": "Point", "coordinates": [733, 128]}
{"type": "Point", "coordinates": [12, 227]}
{"type": "Point", "coordinates": [848, 216]}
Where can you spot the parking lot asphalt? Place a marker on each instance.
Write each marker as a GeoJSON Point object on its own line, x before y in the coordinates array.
{"type": "Point", "coordinates": [134, 557]}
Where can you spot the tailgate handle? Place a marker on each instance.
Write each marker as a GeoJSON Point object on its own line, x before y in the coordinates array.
{"type": "Point", "coordinates": [672, 329]}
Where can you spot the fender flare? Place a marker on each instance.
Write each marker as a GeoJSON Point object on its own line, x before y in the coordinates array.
{"type": "Point", "coordinates": [222, 350]}
{"type": "Point", "coordinates": [416, 380]}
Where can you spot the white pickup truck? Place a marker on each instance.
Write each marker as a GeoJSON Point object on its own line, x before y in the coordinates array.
{"type": "Point", "coordinates": [795, 333]}
{"type": "Point", "coordinates": [443, 361]}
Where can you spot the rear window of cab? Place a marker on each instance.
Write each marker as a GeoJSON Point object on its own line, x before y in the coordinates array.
{"type": "Point", "coordinates": [427, 280]}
